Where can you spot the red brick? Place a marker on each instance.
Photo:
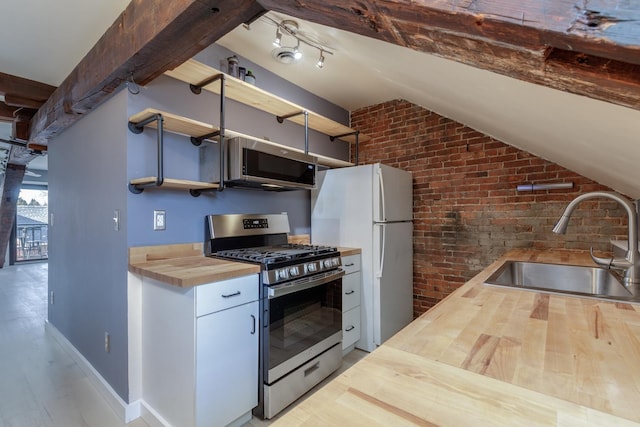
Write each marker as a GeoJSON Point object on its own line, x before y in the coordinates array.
{"type": "Point", "coordinates": [467, 211]}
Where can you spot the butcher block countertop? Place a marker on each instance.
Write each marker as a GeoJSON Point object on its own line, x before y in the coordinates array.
{"type": "Point", "coordinates": [349, 251]}
{"type": "Point", "coordinates": [495, 356]}
{"type": "Point", "coordinates": [183, 265]}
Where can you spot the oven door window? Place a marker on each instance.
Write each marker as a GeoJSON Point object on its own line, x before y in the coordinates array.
{"type": "Point", "coordinates": [299, 320]}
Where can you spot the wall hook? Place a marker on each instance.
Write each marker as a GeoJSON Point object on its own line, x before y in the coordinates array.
{"type": "Point", "coordinates": [132, 86]}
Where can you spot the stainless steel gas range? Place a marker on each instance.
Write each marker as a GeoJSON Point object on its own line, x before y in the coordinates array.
{"type": "Point", "coordinates": [300, 303]}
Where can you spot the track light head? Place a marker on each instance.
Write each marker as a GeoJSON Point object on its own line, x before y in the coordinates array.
{"type": "Point", "coordinates": [278, 40]}
{"type": "Point", "coordinates": [296, 51]}
{"type": "Point", "coordinates": [320, 63]}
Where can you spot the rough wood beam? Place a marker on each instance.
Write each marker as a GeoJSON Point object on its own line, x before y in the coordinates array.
{"type": "Point", "coordinates": [524, 39]}
{"type": "Point", "coordinates": [148, 38]}
{"type": "Point", "coordinates": [22, 102]}
{"type": "Point", "coordinates": [7, 113]}
{"type": "Point", "coordinates": [24, 88]}
{"type": "Point", "coordinates": [9, 204]}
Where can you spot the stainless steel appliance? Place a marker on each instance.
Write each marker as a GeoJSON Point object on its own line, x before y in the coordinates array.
{"type": "Point", "coordinates": [371, 207]}
{"type": "Point", "coordinates": [300, 303]}
{"type": "Point", "coordinates": [258, 164]}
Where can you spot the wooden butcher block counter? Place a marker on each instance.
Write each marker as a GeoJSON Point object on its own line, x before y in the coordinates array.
{"type": "Point", "coordinates": [183, 265]}
{"type": "Point", "coordinates": [495, 356]}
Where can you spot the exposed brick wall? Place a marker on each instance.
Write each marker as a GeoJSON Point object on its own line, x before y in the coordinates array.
{"type": "Point", "coordinates": [467, 211]}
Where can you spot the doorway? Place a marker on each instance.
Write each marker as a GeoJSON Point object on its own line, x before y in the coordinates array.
{"type": "Point", "coordinates": [30, 232]}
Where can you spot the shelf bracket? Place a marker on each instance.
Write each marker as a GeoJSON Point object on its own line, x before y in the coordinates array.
{"type": "Point", "coordinates": [138, 128]}
{"type": "Point", "coordinates": [357, 135]}
{"type": "Point", "coordinates": [281, 120]}
{"type": "Point", "coordinates": [197, 140]}
{"type": "Point", "coordinates": [197, 89]}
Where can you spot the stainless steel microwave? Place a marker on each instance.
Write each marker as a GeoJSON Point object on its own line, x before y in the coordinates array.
{"type": "Point", "coordinates": [258, 164]}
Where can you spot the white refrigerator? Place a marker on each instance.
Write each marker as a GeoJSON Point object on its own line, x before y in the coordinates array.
{"type": "Point", "coordinates": [371, 207]}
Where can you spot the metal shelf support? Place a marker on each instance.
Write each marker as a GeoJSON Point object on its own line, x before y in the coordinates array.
{"type": "Point", "coordinates": [281, 120]}
{"type": "Point", "coordinates": [138, 128]}
{"type": "Point", "coordinates": [197, 89]}
{"type": "Point", "coordinates": [357, 135]}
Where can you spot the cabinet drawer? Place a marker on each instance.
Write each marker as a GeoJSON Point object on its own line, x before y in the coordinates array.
{"type": "Point", "coordinates": [350, 263]}
{"type": "Point", "coordinates": [218, 296]}
{"type": "Point", "coordinates": [350, 327]}
{"type": "Point", "coordinates": [351, 291]}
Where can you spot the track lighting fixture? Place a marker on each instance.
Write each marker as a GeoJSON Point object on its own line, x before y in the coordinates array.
{"type": "Point", "coordinates": [291, 54]}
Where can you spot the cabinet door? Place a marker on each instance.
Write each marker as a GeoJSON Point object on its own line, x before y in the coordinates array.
{"type": "Point", "coordinates": [226, 365]}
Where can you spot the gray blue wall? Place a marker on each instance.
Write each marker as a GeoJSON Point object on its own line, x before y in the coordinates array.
{"type": "Point", "coordinates": [90, 165]}
{"type": "Point", "coordinates": [87, 257]}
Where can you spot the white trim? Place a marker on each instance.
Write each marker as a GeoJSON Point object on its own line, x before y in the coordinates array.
{"type": "Point", "coordinates": [134, 325]}
{"type": "Point", "coordinates": [126, 412]}
{"type": "Point", "coordinates": [151, 417]}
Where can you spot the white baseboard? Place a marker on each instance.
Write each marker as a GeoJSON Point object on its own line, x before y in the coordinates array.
{"type": "Point", "coordinates": [126, 411]}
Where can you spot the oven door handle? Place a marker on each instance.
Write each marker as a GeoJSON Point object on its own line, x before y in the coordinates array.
{"type": "Point", "coordinates": [280, 290]}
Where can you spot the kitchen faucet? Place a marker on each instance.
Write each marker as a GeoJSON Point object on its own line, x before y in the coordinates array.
{"type": "Point", "coordinates": [631, 261]}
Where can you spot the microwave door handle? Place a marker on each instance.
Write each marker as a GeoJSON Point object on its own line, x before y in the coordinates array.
{"type": "Point", "coordinates": [383, 238]}
{"type": "Point", "coordinates": [383, 201]}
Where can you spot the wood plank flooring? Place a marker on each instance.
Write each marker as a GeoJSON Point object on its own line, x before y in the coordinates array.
{"type": "Point", "coordinates": [40, 384]}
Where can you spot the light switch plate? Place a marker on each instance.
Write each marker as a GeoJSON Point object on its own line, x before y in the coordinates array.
{"type": "Point", "coordinates": [159, 220]}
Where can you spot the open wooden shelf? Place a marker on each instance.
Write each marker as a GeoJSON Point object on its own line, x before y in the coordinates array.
{"type": "Point", "coordinates": [176, 184]}
{"type": "Point", "coordinates": [194, 72]}
{"type": "Point", "coordinates": [185, 126]}
{"type": "Point", "coordinates": [175, 124]}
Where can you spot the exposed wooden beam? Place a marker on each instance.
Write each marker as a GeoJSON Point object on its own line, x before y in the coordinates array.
{"type": "Point", "coordinates": [22, 102]}
{"type": "Point", "coordinates": [12, 177]}
{"type": "Point", "coordinates": [148, 38]}
{"type": "Point", "coordinates": [24, 88]}
{"type": "Point", "coordinates": [7, 113]}
{"type": "Point", "coordinates": [588, 48]}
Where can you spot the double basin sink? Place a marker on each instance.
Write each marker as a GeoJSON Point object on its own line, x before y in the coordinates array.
{"type": "Point", "coordinates": [559, 278]}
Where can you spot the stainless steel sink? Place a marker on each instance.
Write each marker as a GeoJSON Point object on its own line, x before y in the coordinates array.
{"type": "Point", "coordinates": [559, 278]}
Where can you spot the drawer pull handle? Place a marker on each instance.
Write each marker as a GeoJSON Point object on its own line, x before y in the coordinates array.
{"type": "Point", "coordinates": [235, 294]}
{"type": "Point", "coordinates": [350, 292]}
{"type": "Point", "coordinates": [253, 328]}
{"type": "Point", "coordinates": [311, 369]}
{"type": "Point", "coordinates": [350, 328]}
{"type": "Point", "coordinates": [351, 264]}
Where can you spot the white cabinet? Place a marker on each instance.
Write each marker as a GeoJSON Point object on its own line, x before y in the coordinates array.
{"type": "Point", "coordinates": [200, 352]}
{"type": "Point", "coordinates": [351, 290]}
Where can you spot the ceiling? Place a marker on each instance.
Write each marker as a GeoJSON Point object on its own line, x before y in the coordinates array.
{"type": "Point", "coordinates": [594, 138]}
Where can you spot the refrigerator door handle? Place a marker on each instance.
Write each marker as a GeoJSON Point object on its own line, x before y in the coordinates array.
{"type": "Point", "coordinates": [383, 233]}
{"type": "Point", "coordinates": [383, 201]}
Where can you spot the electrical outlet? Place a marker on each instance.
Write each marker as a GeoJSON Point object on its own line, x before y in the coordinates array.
{"type": "Point", "coordinates": [159, 220]}
{"type": "Point", "coordinates": [107, 342]}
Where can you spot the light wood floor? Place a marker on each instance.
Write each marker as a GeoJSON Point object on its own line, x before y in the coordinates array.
{"type": "Point", "coordinates": [40, 384]}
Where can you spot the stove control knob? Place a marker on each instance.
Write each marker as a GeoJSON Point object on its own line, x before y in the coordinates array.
{"type": "Point", "coordinates": [327, 263]}
{"type": "Point", "coordinates": [294, 271]}
{"type": "Point", "coordinates": [335, 262]}
{"type": "Point", "coordinates": [312, 267]}
{"type": "Point", "coordinates": [282, 273]}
